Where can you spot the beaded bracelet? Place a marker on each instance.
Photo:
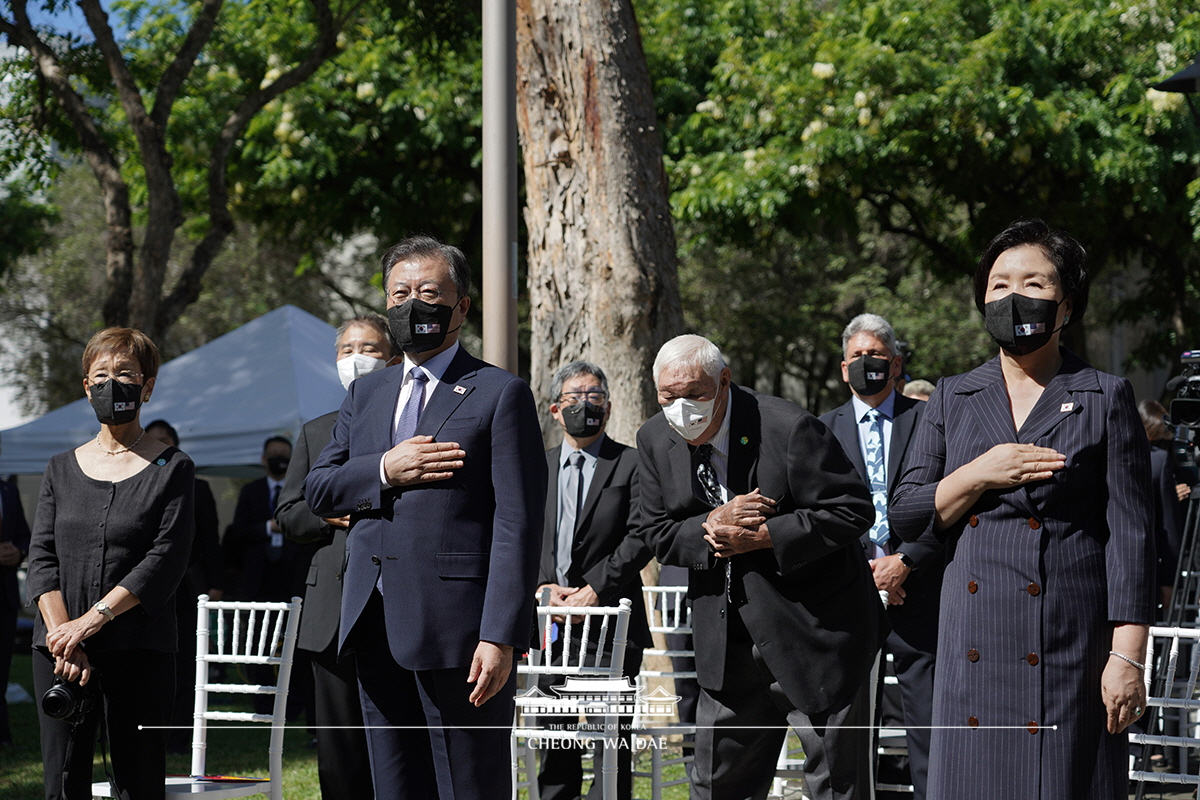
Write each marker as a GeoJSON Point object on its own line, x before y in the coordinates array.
{"type": "Point", "coordinates": [1126, 658]}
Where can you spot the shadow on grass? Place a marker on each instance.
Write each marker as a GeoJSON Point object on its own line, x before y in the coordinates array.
{"type": "Point", "coordinates": [241, 751]}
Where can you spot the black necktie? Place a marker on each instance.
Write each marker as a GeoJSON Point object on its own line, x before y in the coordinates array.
{"type": "Point", "coordinates": [707, 476]}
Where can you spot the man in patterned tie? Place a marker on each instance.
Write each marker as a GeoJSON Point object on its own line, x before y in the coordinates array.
{"type": "Point", "coordinates": [875, 427]}
{"type": "Point", "coordinates": [757, 499]}
{"type": "Point", "coordinates": [440, 466]}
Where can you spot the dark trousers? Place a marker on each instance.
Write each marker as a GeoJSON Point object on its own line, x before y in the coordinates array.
{"type": "Point", "coordinates": [741, 730]}
{"type": "Point", "coordinates": [342, 761]}
{"type": "Point", "coordinates": [425, 738]}
{"type": "Point", "coordinates": [136, 688]}
{"type": "Point", "coordinates": [560, 772]}
{"type": "Point", "coordinates": [914, 676]}
{"type": "Point", "coordinates": [8, 635]}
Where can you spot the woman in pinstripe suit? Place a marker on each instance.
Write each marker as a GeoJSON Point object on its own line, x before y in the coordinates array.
{"type": "Point", "coordinates": [1035, 471]}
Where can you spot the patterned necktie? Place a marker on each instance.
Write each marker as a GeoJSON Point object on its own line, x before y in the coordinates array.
{"type": "Point", "coordinates": [707, 475]}
{"type": "Point", "coordinates": [877, 476]}
{"type": "Point", "coordinates": [406, 428]}
{"type": "Point", "coordinates": [572, 499]}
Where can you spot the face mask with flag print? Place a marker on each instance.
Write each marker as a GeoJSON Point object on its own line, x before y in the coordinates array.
{"type": "Point", "coordinates": [1021, 324]}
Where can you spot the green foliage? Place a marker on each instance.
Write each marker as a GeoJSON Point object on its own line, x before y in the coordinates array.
{"type": "Point", "coordinates": [23, 226]}
{"type": "Point", "coordinates": [903, 135]}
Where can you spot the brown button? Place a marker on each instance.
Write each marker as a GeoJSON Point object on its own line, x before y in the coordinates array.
{"type": "Point", "coordinates": [973, 722]}
{"type": "Point", "coordinates": [973, 521]}
{"type": "Point", "coordinates": [1031, 726]}
{"type": "Point", "coordinates": [972, 655]}
{"type": "Point", "coordinates": [972, 587]}
{"type": "Point", "coordinates": [1034, 589]}
{"type": "Point", "coordinates": [1032, 658]}
{"type": "Point", "coordinates": [1034, 524]}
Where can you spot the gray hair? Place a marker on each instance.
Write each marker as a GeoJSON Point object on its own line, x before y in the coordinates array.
{"type": "Point", "coordinates": [371, 320]}
{"type": "Point", "coordinates": [918, 387]}
{"type": "Point", "coordinates": [574, 370]}
{"type": "Point", "coordinates": [875, 325]}
{"type": "Point", "coordinates": [690, 350]}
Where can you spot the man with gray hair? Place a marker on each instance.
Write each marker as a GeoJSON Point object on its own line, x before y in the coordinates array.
{"type": "Point", "coordinates": [755, 496]}
{"type": "Point", "coordinates": [875, 428]}
{"type": "Point", "coordinates": [589, 557]}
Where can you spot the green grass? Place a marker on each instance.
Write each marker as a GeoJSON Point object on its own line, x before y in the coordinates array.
{"type": "Point", "coordinates": [230, 752]}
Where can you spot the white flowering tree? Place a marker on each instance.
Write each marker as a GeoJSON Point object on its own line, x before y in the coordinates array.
{"type": "Point", "coordinates": [830, 158]}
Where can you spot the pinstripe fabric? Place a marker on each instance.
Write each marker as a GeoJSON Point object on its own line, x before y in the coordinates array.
{"type": "Point", "coordinates": [1032, 588]}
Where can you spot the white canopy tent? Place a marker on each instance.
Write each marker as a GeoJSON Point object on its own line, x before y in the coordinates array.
{"type": "Point", "coordinates": [266, 378]}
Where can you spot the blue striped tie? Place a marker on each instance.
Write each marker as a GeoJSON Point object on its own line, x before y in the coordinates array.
{"type": "Point", "coordinates": [877, 475]}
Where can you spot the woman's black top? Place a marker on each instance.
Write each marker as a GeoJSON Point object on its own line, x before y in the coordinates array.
{"type": "Point", "coordinates": [90, 536]}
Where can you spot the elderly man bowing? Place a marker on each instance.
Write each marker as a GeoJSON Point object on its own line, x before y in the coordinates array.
{"type": "Point", "coordinates": [757, 499]}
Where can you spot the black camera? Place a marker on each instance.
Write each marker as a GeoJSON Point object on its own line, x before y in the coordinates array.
{"type": "Point", "coordinates": [69, 702]}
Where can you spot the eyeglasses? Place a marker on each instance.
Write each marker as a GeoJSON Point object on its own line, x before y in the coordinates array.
{"type": "Point", "coordinates": [430, 293]}
{"type": "Point", "coordinates": [572, 398]}
{"type": "Point", "coordinates": [124, 376]}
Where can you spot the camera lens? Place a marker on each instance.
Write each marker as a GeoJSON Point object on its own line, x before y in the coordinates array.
{"type": "Point", "coordinates": [58, 702]}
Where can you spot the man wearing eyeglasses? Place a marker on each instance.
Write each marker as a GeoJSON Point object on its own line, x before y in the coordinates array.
{"type": "Point", "coordinates": [588, 556]}
{"type": "Point", "coordinates": [439, 466]}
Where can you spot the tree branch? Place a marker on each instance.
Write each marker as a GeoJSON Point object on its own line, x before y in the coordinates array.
{"type": "Point", "coordinates": [187, 287]}
{"type": "Point", "coordinates": [185, 61]}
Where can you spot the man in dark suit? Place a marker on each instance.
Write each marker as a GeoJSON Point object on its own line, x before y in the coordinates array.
{"type": "Point", "coordinates": [755, 496]}
{"type": "Point", "coordinates": [589, 557]}
{"type": "Point", "coordinates": [875, 428]}
{"type": "Point", "coordinates": [441, 468]}
{"type": "Point", "coordinates": [14, 544]}
{"type": "Point", "coordinates": [362, 346]}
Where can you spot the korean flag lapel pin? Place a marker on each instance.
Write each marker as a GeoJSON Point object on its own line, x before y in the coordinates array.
{"type": "Point", "coordinates": [1066, 408]}
{"type": "Point", "coordinates": [460, 389]}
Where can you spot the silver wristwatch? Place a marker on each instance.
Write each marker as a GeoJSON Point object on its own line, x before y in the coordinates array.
{"type": "Point", "coordinates": [103, 608]}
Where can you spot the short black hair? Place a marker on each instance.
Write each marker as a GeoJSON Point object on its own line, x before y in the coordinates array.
{"type": "Point", "coordinates": [1065, 252]}
{"type": "Point", "coordinates": [283, 439]}
{"type": "Point", "coordinates": [162, 423]}
{"type": "Point", "coordinates": [428, 247]}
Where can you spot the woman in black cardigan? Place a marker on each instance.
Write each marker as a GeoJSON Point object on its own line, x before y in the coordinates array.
{"type": "Point", "coordinates": [110, 543]}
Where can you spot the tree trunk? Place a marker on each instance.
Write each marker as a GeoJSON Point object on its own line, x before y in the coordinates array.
{"type": "Point", "coordinates": [602, 280]}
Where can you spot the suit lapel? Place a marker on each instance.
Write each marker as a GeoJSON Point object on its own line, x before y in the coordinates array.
{"type": "Point", "coordinates": [845, 430]}
{"type": "Point", "coordinates": [454, 387]}
{"type": "Point", "coordinates": [1063, 398]}
{"type": "Point", "coordinates": [903, 422]}
{"type": "Point", "coordinates": [380, 407]}
{"type": "Point", "coordinates": [743, 442]}
{"type": "Point", "coordinates": [550, 527]}
{"type": "Point", "coordinates": [606, 462]}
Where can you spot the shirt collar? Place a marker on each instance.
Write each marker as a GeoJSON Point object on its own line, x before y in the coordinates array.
{"type": "Point", "coordinates": [720, 439]}
{"type": "Point", "coordinates": [436, 366]}
{"type": "Point", "coordinates": [886, 409]}
{"type": "Point", "coordinates": [590, 453]}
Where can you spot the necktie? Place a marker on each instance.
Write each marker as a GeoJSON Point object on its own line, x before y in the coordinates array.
{"type": "Point", "coordinates": [406, 428]}
{"type": "Point", "coordinates": [877, 476]}
{"type": "Point", "coordinates": [707, 476]}
{"type": "Point", "coordinates": [572, 499]}
{"type": "Point", "coordinates": [275, 542]}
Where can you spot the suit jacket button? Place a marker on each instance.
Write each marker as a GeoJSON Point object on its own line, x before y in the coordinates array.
{"type": "Point", "coordinates": [972, 587]}
{"type": "Point", "coordinates": [337, 576]}
{"type": "Point", "coordinates": [1034, 524]}
{"type": "Point", "coordinates": [973, 521]}
{"type": "Point", "coordinates": [1032, 726]}
{"type": "Point", "coordinates": [1034, 589]}
{"type": "Point", "coordinates": [722, 613]}
{"type": "Point", "coordinates": [375, 560]}
{"type": "Point", "coordinates": [1032, 658]}
{"type": "Point", "coordinates": [973, 722]}
{"type": "Point", "coordinates": [972, 655]}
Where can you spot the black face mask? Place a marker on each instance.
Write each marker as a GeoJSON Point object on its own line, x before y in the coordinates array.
{"type": "Point", "coordinates": [869, 375]}
{"type": "Point", "coordinates": [419, 326]}
{"type": "Point", "coordinates": [583, 420]}
{"type": "Point", "coordinates": [277, 465]}
{"type": "Point", "coordinates": [116, 403]}
{"type": "Point", "coordinates": [1020, 324]}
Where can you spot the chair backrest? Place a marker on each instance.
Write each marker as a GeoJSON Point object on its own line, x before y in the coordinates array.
{"type": "Point", "coordinates": [1173, 667]}
{"type": "Point", "coordinates": [244, 633]}
{"type": "Point", "coordinates": [667, 609]}
{"type": "Point", "coordinates": [585, 642]}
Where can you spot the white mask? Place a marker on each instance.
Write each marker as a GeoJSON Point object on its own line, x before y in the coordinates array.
{"type": "Point", "coordinates": [689, 418]}
{"type": "Point", "coordinates": [356, 365]}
